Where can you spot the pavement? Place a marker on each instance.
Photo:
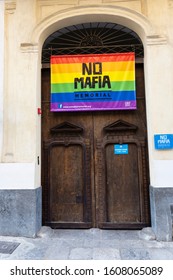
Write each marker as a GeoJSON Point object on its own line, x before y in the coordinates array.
{"type": "Point", "coordinates": [88, 244]}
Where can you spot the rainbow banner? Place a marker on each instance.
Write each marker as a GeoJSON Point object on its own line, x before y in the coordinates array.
{"type": "Point", "coordinates": [93, 82]}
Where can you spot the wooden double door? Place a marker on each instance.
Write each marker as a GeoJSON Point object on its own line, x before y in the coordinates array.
{"type": "Point", "coordinates": [85, 182]}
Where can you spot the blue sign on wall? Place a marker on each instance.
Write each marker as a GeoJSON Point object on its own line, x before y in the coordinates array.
{"type": "Point", "coordinates": [163, 141]}
{"type": "Point", "coordinates": [121, 149]}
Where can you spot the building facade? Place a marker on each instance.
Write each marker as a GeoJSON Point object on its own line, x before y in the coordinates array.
{"type": "Point", "coordinates": [28, 166]}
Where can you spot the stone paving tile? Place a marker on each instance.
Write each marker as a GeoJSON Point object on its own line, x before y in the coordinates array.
{"type": "Point", "coordinates": [122, 244]}
{"type": "Point", "coordinates": [34, 254]}
{"type": "Point", "coordinates": [56, 250]}
{"type": "Point", "coordinates": [72, 234]}
{"type": "Point", "coordinates": [70, 242]}
{"type": "Point", "coordinates": [161, 254]}
{"type": "Point", "coordinates": [120, 234]}
{"type": "Point", "coordinates": [134, 254]}
{"type": "Point", "coordinates": [4, 256]}
{"type": "Point", "coordinates": [91, 243]}
{"type": "Point", "coordinates": [81, 254]}
{"type": "Point", "coordinates": [106, 254]}
{"type": "Point", "coordinates": [57, 254]}
{"type": "Point", "coordinates": [146, 254]}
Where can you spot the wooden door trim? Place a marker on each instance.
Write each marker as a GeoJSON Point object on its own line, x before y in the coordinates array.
{"type": "Point", "coordinates": [128, 226]}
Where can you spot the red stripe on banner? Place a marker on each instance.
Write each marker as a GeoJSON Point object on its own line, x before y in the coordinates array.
{"type": "Point", "coordinates": [92, 58]}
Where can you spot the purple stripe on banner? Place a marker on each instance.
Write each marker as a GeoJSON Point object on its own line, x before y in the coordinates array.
{"type": "Point", "coordinates": [93, 106]}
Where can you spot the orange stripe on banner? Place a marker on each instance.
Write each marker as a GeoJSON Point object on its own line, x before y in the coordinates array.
{"type": "Point", "coordinates": [92, 58]}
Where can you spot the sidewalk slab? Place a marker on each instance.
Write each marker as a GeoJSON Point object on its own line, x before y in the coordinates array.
{"type": "Point", "coordinates": [90, 244]}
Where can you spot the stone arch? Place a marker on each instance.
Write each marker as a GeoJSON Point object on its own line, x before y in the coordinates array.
{"type": "Point", "coordinates": [133, 20]}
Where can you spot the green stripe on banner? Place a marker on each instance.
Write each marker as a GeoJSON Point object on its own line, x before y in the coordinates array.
{"type": "Point", "coordinates": [115, 86]}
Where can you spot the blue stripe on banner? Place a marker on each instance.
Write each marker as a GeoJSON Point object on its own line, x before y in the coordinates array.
{"type": "Point", "coordinates": [93, 96]}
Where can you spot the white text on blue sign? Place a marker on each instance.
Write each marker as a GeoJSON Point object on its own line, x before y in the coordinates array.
{"type": "Point", "coordinates": [163, 141]}
{"type": "Point", "coordinates": [121, 149]}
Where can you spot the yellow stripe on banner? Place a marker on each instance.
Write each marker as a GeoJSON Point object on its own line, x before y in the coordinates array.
{"type": "Point", "coordinates": [113, 76]}
{"type": "Point", "coordinates": [66, 68]}
{"type": "Point", "coordinates": [106, 66]}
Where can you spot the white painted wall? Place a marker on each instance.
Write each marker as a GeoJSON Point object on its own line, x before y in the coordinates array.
{"type": "Point", "coordinates": [162, 173]}
{"type": "Point", "coordinates": [17, 175]}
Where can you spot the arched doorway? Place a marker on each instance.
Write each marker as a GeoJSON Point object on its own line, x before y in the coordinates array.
{"type": "Point", "coordinates": [84, 184]}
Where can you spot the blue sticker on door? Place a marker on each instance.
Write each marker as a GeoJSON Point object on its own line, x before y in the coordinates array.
{"type": "Point", "coordinates": [121, 149]}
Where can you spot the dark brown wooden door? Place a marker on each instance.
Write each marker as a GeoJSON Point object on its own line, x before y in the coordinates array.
{"type": "Point", "coordinates": [85, 184]}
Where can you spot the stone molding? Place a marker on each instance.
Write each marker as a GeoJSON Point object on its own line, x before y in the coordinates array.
{"type": "Point", "coordinates": [28, 48]}
{"type": "Point", "coordinates": [156, 40]}
{"type": "Point", "coordinates": [10, 6]}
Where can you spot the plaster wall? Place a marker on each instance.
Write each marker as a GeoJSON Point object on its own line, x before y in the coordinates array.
{"type": "Point", "coordinates": [159, 97]}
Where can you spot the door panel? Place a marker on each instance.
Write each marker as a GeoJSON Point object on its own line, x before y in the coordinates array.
{"type": "Point", "coordinates": [66, 194]}
{"type": "Point", "coordinates": [84, 183]}
{"type": "Point", "coordinates": [123, 197]}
